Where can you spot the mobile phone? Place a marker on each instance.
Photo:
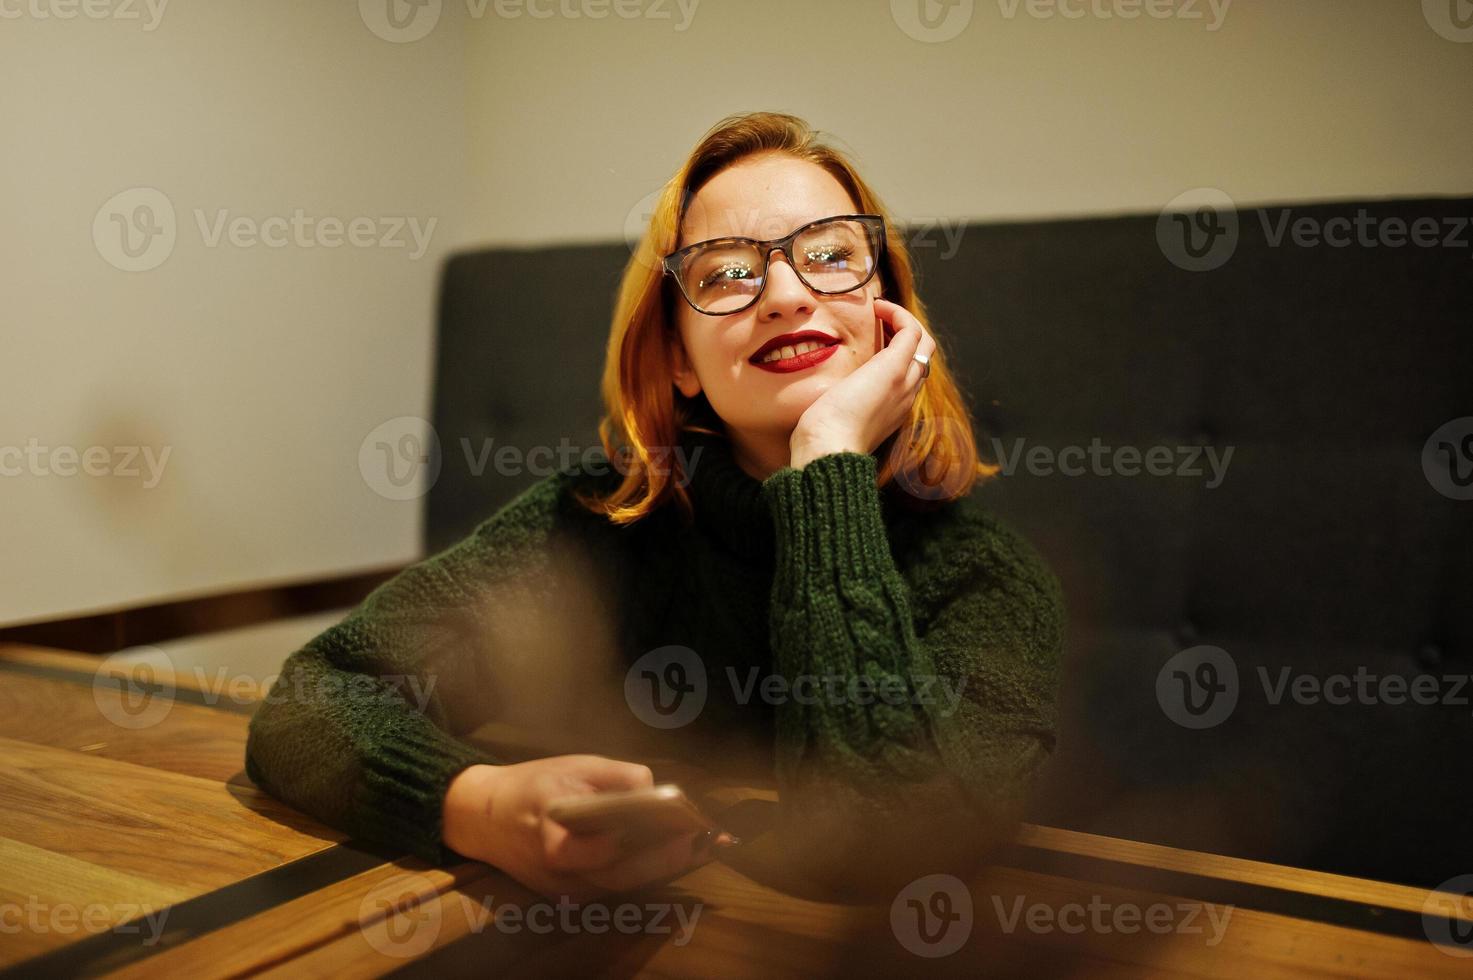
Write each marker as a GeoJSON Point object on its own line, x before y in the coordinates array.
{"type": "Point", "coordinates": [646, 815]}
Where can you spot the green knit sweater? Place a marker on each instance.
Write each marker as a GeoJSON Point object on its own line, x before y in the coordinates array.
{"type": "Point", "coordinates": [894, 671]}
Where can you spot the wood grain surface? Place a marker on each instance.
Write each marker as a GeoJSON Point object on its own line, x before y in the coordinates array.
{"type": "Point", "coordinates": [133, 845]}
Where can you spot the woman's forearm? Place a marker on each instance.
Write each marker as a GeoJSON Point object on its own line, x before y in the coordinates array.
{"type": "Point", "coordinates": [953, 749]}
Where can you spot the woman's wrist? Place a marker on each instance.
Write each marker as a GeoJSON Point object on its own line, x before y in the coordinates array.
{"type": "Point", "coordinates": [803, 450]}
{"type": "Point", "coordinates": [467, 810]}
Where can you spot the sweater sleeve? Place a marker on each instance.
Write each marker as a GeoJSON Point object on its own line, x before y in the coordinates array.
{"type": "Point", "coordinates": [359, 730]}
{"type": "Point", "coordinates": [925, 746]}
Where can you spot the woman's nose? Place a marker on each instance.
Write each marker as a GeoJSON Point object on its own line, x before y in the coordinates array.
{"type": "Point", "coordinates": [785, 294]}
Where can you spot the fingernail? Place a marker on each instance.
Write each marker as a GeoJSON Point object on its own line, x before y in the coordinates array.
{"type": "Point", "coordinates": [728, 840]}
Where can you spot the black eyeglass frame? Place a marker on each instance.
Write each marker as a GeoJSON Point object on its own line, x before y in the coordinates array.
{"type": "Point", "coordinates": [874, 225]}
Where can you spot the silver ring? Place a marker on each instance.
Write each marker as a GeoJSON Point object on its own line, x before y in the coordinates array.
{"type": "Point", "coordinates": [925, 362]}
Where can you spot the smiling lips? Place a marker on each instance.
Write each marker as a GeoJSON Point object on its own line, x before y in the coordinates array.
{"type": "Point", "coordinates": [794, 352]}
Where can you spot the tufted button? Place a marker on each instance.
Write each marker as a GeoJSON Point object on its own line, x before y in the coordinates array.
{"type": "Point", "coordinates": [1429, 654]}
{"type": "Point", "coordinates": [1186, 633]}
{"type": "Point", "coordinates": [1205, 435]}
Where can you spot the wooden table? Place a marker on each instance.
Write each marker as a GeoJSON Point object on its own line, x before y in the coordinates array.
{"type": "Point", "coordinates": [134, 845]}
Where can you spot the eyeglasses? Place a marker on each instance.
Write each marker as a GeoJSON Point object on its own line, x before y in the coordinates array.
{"type": "Point", "coordinates": [831, 255]}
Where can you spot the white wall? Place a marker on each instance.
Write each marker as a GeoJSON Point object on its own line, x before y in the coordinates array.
{"type": "Point", "coordinates": [264, 369]}
{"type": "Point", "coordinates": [575, 121]}
{"type": "Point", "coordinates": [260, 369]}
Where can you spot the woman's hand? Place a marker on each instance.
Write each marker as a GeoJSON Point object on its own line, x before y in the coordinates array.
{"type": "Point", "coordinates": [498, 814]}
{"type": "Point", "coordinates": [860, 412]}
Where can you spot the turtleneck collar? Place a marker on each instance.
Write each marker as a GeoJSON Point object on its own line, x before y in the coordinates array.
{"type": "Point", "coordinates": [727, 500]}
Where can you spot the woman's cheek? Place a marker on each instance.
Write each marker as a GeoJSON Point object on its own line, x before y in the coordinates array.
{"type": "Point", "coordinates": [852, 355]}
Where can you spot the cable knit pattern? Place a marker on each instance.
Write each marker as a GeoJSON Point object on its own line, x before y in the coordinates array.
{"type": "Point", "coordinates": [951, 617]}
{"type": "Point", "coordinates": [912, 773]}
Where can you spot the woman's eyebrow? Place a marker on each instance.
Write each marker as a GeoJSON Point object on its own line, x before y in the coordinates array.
{"type": "Point", "coordinates": [794, 226]}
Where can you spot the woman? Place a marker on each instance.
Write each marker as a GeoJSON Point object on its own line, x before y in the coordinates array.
{"type": "Point", "coordinates": [788, 508]}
